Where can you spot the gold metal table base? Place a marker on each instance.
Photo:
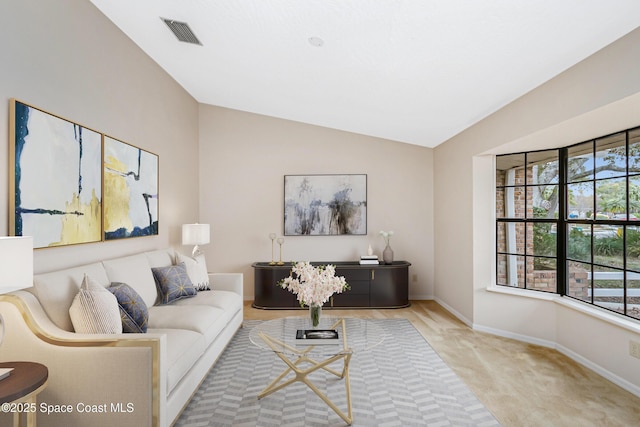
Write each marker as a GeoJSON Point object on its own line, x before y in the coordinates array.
{"type": "Point", "coordinates": [301, 374]}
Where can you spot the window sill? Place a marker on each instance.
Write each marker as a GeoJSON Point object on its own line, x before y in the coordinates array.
{"type": "Point", "coordinates": [593, 311]}
{"type": "Point", "coordinates": [522, 292]}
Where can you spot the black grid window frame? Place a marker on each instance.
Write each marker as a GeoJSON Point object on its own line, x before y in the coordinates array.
{"type": "Point", "coordinates": [527, 255]}
{"type": "Point", "coordinates": [626, 224]}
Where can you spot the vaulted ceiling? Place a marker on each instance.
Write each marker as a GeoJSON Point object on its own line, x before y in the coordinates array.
{"type": "Point", "coordinates": [414, 71]}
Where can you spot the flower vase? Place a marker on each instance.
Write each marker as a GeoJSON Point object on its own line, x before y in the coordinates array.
{"type": "Point", "coordinates": [315, 311]}
{"type": "Point", "coordinates": [387, 255]}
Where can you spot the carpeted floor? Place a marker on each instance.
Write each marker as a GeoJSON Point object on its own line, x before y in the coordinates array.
{"type": "Point", "coordinates": [402, 382]}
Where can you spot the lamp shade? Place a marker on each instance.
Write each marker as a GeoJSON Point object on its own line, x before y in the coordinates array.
{"type": "Point", "coordinates": [16, 263]}
{"type": "Point", "coordinates": [195, 234]}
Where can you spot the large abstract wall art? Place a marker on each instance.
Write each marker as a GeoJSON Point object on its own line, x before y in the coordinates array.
{"type": "Point", "coordinates": [55, 176]}
{"type": "Point", "coordinates": [130, 191]}
{"type": "Point", "coordinates": [324, 205]}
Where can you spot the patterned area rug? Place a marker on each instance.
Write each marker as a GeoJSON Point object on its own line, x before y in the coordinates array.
{"type": "Point", "coordinates": [402, 382]}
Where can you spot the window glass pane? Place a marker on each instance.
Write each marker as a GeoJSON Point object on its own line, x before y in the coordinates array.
{"type": "Point", "coordinates": [511, 271]}
{"type": "Point", "coordinates": [543, 235]}
{"type": "Point", "coordinates": [580, 165]}
{"type": "Point", "coordinates": [500, 202]}
{"type": "Point", "coordinates": [580, 200]}
{"type": "Point", "coordinates": [633, 295]}
{"type": "Point", "coordinates": [501, 237]}
{"type": "Point", "coordinates": [608, 288]}
{"type": "Point", "coordinates": [513, 199]}
{"type": "Point", "coordinates": [634, 197]}
{"type": "Point", "coordinates": [611, 198]}
{"type": "Point", "coordinates": [508, 163]}
{"type": "Point", "coordinates": [511, 238]}
{"type": "Point", "coordinates": [634, 151]}
{"type": "Point", "coordinates": [579, 280]}
{"type": "Point", "coordinates": [543, 276]}
{"type": "Point", "coordinates": [608, 244]}
{"type": "Point", "coordinates": [543, 167]}
{"type": "Point", "coordinates": [515, 277]}
{"type": "Point", "coordinates": [501, 273]}
{"type": "Point", "coordinates": [543, 201]}
{"type": "Point", "coordinates": [633, 248]}
{"type": "Point", "coordinates": [579, 242]}
{"type": "Point", "coordinates": [611, 156]}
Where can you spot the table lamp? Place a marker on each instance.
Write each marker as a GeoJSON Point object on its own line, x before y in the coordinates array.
{"type": "Point", "coordinates": [16, 267]}
{"type": "Point", "coordinates": [195, 234]}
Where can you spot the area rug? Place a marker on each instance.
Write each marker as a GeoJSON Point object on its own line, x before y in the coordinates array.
{"type": "Point", "coordinates": [401, 382]}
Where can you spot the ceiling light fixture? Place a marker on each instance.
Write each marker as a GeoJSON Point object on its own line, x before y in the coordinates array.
{"type": "Point", "coordinates": [315, 41]}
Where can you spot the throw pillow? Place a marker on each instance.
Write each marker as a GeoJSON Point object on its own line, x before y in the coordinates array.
{"type": "Point", "coordinates": [173, 283]}
{"type": "Point", "coordinates": [94, 310]}
{"type": "Point", "coordinates": [134, 314]}
{"type": "Point", "coordinates": [197, 270]}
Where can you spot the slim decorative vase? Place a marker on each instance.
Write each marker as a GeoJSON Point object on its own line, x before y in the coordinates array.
{"type": "Point", "coordinates": [315, 311]}
{"type": "Point", "coordinates": [387, 255]}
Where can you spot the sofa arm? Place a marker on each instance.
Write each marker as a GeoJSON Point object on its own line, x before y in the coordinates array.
{"type": "Point", "coordinates": [233, 282]}
{"type": "Point", "coordinates": [120, 377]}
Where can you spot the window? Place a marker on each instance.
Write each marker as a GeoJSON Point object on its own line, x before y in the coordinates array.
{"type": "Point", "coordinates": [527, 188]}
{"type": "Point", "coordinates": [568, 221]}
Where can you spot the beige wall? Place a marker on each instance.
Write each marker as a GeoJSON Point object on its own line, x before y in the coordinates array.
{"type": "Point", "coordinates": [67, 58]}
{"type": "Point", "coordinates": [596, 97]}
{"type": "Point", "coordinates": [243, 160]}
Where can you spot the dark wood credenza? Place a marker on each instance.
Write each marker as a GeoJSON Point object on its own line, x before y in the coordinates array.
{"type": "Point", "coordinates": [372, 286]}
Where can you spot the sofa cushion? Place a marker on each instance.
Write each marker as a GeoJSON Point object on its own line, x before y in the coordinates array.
{"type": "Point", "coordinates": [55, 291]}
{"type": "Point", "coordinates": [228, 301]}
{"type": "Point", "coordinates": [173, 283]}
{"type": "Point", "coordinates": [196, 269]}
{"type": "Point", "coordinates": [94, 310]}
{"type": "Point", "coordinates": [208, 321]}
{"type": "Point", "coordinates": [135, 271]}
{"type": "Point", "coordinates": [161, 257]}
{"type": "Point", "coordinates": [134, 313]}
{"type": "Point", "coordinates": [184, 348]}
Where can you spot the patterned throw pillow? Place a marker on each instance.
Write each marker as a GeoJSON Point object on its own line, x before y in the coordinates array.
{"type": "Point", "coordinates": [94, 310]}
{"type": "Point", "coordinates": [173, 283]}
{"type": "Point", "coordinates": [197, 270]}
{"type": "Point", "coordinates": [134, 313]}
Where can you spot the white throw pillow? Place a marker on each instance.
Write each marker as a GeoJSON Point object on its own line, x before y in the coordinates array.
{"type": "Point", "coordinates": [196, 270]}
{"type": "Point", "coordinates": [95, 310]}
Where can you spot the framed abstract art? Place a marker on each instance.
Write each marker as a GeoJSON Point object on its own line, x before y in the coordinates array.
{"type": "Point", "coordinates": [324, 205]}
{"type": "Point", "coordinates": [55, 178]}
{"type": "Point", "coordinates": [70, 184]}
{"type": "Point", "coordinates": [130, 191]}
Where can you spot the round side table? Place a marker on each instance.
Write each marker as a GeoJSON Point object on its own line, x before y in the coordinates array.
{"type": "Point", "coordinates": [22, 386]}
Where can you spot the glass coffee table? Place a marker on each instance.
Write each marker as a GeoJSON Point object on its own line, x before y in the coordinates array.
{"type": "Point", "coordinates": [279, 336]}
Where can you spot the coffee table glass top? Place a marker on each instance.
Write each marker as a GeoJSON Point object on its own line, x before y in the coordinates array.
{"type": "Point", "coordinates": [361, 335]}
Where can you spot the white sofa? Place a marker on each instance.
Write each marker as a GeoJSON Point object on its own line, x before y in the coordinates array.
{"type": "Point", "coordinates": [131, 379]}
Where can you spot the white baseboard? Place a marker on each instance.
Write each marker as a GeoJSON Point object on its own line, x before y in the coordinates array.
{"type": "Point", "coordinates": [631, 388]}
{"type": "Point", "coordinates": [514, 336]}
{"type": "Point", "coordinates": [457, 314]}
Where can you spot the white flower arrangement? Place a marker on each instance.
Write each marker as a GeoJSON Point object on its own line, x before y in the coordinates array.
{"type": "Point", "coordinates": [386, 235]}
{"type": "Point", "coordinates": [313, 285]}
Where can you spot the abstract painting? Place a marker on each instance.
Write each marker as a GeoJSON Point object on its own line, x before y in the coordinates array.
{"type": "Point", "coordinates": [56, 178]}
{"type": "Point", "coordinates": [323, 205]}
{"type": "Point", "coordinates": [130, 191]}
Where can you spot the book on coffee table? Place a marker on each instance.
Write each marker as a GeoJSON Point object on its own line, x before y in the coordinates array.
{"type": "Point", "coordinates": [317, 336]}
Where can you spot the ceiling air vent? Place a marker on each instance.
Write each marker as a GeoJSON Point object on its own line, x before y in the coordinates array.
{"type": "Point", "coordinates": [182, 31]}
